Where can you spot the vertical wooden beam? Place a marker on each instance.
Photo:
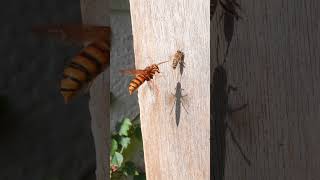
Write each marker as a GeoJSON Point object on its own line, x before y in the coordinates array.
{"type": "Point", "coordinates": [96, 12]}
{"type": "Point", "coordinates": [274, 61]}
{"type": "Point", "coordinates": [176, 145]}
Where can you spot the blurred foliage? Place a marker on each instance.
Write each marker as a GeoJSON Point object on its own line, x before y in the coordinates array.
{"type": "Point", "coordinates": [125, 144]}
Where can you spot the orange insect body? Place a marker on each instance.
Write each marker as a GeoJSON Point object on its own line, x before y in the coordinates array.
{"type": "Point", "coordinates": [142, 75]}
{"type": "Point", "coordinates": [86, 65]}
{"type": "Point", "coordinates": [146, 75]}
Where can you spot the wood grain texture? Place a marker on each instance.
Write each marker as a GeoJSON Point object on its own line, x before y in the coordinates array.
{"type": "Point", "coordinates": [274, 61]}
{"type": "Point", "coordinates": [160, 28]}
{"type": "Point", "coordinates": [96, 12]}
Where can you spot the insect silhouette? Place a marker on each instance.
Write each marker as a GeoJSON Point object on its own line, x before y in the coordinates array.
{"type": "Point", "coordinates": [89, 62]}
{"type": "Point", "coordinates": [179, 100]}
{"type": "Point", "coordinates": [213, 7]}
{"type": "Point", "coordinates": [220, 109]}
{"type": "Point", "coordinates": [230, 15]}
{"type": "Point", "coordinates": [229, 7]}
{"type": "Point", "coordinates": [141, 75]}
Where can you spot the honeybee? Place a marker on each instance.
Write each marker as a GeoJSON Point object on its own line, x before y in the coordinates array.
{"type": "Point", "coordinates": [178, 58]}
{"type": "Point", "coordinates": [89, 62]}
{"type": "Point", "coordinates": [141, 76]}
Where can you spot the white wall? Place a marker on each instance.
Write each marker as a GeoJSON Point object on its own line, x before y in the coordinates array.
{"type": "Point", "coordinates": [121, 58]}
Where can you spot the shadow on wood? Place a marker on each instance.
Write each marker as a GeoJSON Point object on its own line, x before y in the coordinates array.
{"type": "Point", "coordinates": [179, 101]}
{"type": "Point", "coordinates": [220, 109]}
{"type": "Point", "coordinates": [229, 15]}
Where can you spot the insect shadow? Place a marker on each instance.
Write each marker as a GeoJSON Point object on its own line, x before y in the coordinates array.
{"type": "Point", "coordinates": [230, 15]}
{"type": "Point", "coordinates": [213, 7]}
{"type": "Point", "coordinates": [182, 66]}
{"type": "Point", "coordinates": [179, 100]}
{"type": "Point", "coordinates": [220, 109]}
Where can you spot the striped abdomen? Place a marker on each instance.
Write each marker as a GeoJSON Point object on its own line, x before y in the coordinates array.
{"type": "Point", "coordinates": [175, 64]}
{"type": "Point", "coordinates": [89, 63]}
{"type": "Point", "coordinates": [135, 83]}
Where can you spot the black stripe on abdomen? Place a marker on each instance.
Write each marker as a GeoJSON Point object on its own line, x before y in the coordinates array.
{"type": "Point", "coordinates": [99, 48]}
{"type": "Point", "coordinates": [132, 83]}
{"type": "Point", "coordinates": [92, 59]}
{"type": "Point", "coordinates": [72, 79]}
{"type": "Point", "coordinates": [82, 69]}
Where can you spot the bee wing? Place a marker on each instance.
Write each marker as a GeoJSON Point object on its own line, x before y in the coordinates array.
{"type": "Point", "coordinates": [172, 101]}
{"type": "Point", "coordinates": [133, 71]}
{"type": "Point", "coordinates": [185, 101]}
{"type": "Point", "coordinates": [76, 33]}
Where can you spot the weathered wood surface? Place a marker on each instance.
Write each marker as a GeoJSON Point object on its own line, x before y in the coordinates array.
{"type": "Point", "coordinates": [176, 145]}
{"type": "Point", "coordinates": [96, 12]}
{"type": "Point", "coordinates": [274, 61]}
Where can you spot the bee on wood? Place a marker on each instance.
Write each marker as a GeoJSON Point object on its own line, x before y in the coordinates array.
{"type": "Point", "coordinates": [89, 62]}
{"type": "Point", "coordinates": [141, 76]}
{"type": "Point", "coordinates": [178, 58]}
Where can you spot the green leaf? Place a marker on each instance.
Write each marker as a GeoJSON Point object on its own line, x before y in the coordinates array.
{"type": "Point", "coordinates": [117, 159]}
{"type": "Point", "coordinates": [114, 147]}
{"type": "Point", "coordinates": [129, 168]}
{"type": "Point", "coordinates": [136, 173]}
{"type": "Point", "coordinates": [138, 134]}
{"type": "Point", "coordinates": [125, 126]}
{"type": "Point", "coordinates": [117, 175]}
{"type": "Point", "coordinates": [133, 149]}
{"type": "Point", "coordinates": [125, 141]}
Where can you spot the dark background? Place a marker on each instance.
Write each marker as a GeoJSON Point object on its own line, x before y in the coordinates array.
{"type": "Point", "coordinates": [40, 137]}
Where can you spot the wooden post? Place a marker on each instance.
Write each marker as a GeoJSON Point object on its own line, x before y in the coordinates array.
{"type": "Point", "coordinates": [96, 12]}
{"type": "Point", "coordinates": [176, 144]}
{"type": "Point", "coordinates": [273, 59]}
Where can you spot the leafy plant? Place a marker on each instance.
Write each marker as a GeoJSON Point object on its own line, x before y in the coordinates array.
{"type": "Point", "coordinates": [125, 143]}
